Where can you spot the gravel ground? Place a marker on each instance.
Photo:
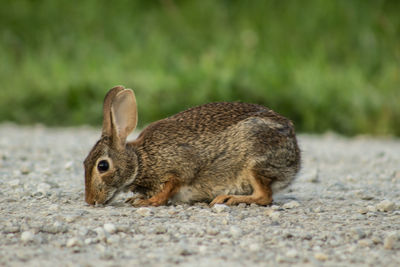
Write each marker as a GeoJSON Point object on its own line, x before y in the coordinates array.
{"type": "Point", "coordinates": [342, 210]}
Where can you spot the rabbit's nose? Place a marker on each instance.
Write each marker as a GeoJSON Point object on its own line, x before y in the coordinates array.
{"type": "Point", "coordinates": [90, 200]}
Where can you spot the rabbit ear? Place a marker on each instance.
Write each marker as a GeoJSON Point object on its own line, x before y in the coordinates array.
{"type": "Point", "coordinates": [123, 115]}
{"type": "Point", "coordinates": [107, 127]}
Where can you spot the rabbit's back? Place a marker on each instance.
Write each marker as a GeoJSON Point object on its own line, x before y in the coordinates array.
{"type": "Point", "coordinates": [208, 120]}
{"type": "Point", "coordinates": [216, 117]}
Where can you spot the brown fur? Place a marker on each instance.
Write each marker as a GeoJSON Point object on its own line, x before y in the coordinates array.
{"type": "Point", "coordinates": [219, 152]}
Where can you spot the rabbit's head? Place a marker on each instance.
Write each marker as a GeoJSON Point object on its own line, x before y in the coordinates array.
{"type": "Point", "coordinates": [110, 168]}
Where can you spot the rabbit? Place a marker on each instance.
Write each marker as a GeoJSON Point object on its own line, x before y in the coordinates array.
{"type": "Point", "coordinates": [220, 153]}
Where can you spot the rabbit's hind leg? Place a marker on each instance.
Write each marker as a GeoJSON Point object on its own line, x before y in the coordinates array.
{"type": "Point", "coordinates": [262, 193]}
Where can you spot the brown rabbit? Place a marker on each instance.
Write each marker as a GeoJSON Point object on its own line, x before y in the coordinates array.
{"type": "Point", "coordinates": [220, 153]}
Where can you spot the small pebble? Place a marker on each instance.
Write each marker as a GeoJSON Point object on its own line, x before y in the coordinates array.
{"type": "Point", "coordinates": [218, 208]}
{"type": "Point", "coordinates": [51, 229]}
{"type": "Point", "coordinates": [110, 228]}
{"type": "Point", "coordinates": [143, 211]}
{"type": "Point", "coordinates": [14, 182]}
{"type": "Point", "coordinates": [184, 252]}
{"type": "Point", "coordinates": [268, 211]}
{"type": "Point", "coordinates": [83, 231]}
{"type": "Point", "coordinates": [358, 233]}
{"type": "Point", "coordinates": [385, 205]}
{"type": "Point", "coordinates": [275, 207]}
{"type": "Point", "coordinates": [321, 256]}
{"type": "Point", "coordinates": [352, 249]}
{"type": "Point", "coordinates": [291, 205]}
{"type": "Point", "coordinates": [114, 239]}
{"type": "Point", "coordinates": [254, 247]}
{"type": "Point", "coordinates": [392, 241]}
{"type": "Point", "coordinates": [73, 242]}
{"type": "Point", "coordinates": [89, 241]}
{"type": "Point", "coordinates": [371, 208]}
{"type": "Point", "coordinates": [27, 236]}
{"type": "Point", "coordinates": [292, 253]}
{"type": "Point", "coordinates": [363, 210]}
{"type": "Point", "coordinates": [364, 195]}
{"type": "Point", "coordinates": [275, 216]}
{"type": "Point", "coordinates": [107, 255]}
{"type": "Point", "coordinates": [212, 231]}
{"type": "Point", "coordinates": [43, 188]}
{"type": "Point", "coordinates": [235, 231]}
{"type": "Point", "coordinates": [22, 255]}
{"type": "Point", "coordinates": [312, 176]}
{"type": "Point", "coordinates": [70, 218]}
{"type": "Point", "coordinates": [376, 239]}
{"type": "Point", "coordinates": [365, 242]}
{"type": "Point", "coordinates": [101, 233]}
{"type": "Point", "coordinates": [54, 207]}
{"type": "Point", "coordinates": [68, 165]}
{"type": "Point", "coordinates": [318, 209]}
{"type": "Point", "coordinates": [25, 170]}
{"type": "Point", "coordinates": [160, 230]}
{"type": "Point", "coordinates": [225, 241]}
{"type": "Point", "coordinates": [202, 249]}
{"type": "Point", "coordinates": [11, 229]}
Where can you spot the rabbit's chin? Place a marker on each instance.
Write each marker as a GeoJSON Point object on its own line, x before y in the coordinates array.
{"type": "Point", "coordinates": [112, 196]}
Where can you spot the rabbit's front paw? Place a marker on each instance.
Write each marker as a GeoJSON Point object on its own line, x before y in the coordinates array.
{"type": "Point", "coordinates": [236, 199]}
{"type": "Point", "coordinates": [137, 201]}
{"type": "Point", "coordinates": [141, 201]}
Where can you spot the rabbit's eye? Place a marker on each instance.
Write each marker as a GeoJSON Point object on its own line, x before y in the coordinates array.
{"type": "Point", "coordinates": [103, 166]}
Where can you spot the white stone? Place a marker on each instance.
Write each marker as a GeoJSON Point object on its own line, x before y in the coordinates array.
{"type": "Point", "coordinates": [275, 216]}
{"type": "Point", "coordinates": [43, 188]}
{"type": "Point", "coordinates": [57, 224]}
{"type": "Point", "coordinates": [292, 253]}
{"type": "Point", "coordinates": [212, 231]}
{"type": "Point", "coordinates": [363, 210]}
{"type": "Point", "coordinates": [70, 218]}
{"type": "Point", "coordinates": [68, 165]}
{"type": "Point", "coordinates": [202, 249]}
{"type": "Point", "coordinates": [275, 207]}
{"type": "Point", "coordinates": [365, 242]}
{"type": "Point", "coordinates": [110, 228]}
{"type": "Point", "coordinates": [318, 209]}
{"type": "Point", "coordinates": [114, 239]}
{"type": "Point", "coordinates": [218, 208]}
{"type": "Point", "coordinates": [321, 256]}
{"type": "Point", "coordinates": [101, 234]}
{"type": "Point", "coordinates": [311, 176]}
{"type": "Point", "coordinates": [14, 182]}
{"type": "Point", "coordinates": [25, 170]}
{"type": "Point", "coordinates": [291, 205]}
{"type": "Point", "coordinates": [268, 211]}
{"type": "Point", "coordinates": [385, 205]}
{"type": "Point", "coordinates": [254, 247]}
{"type": "Point", "coordinates": [143, 211]}
{"type": "Point", "coordinates": [89, 241]}
{"type": "Point", "coordinates": [27, 236]}
{"type": "Point", "coordinates": [371, 208]}
{"type": "Point", "coordinates": [392, 241]}
{"type": "Point", "coordinates": [73, 242]}
{"type": "Point", "coordinates": [235, 231]}
{"type": "Point", "coordinates": [54, 207]}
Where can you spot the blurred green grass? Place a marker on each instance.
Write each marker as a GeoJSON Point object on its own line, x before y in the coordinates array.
{"type": "Point", "coordinates": [327, 65]}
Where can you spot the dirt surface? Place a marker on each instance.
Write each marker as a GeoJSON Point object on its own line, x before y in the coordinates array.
{"type": "Point", "coordinates": [342, 210]}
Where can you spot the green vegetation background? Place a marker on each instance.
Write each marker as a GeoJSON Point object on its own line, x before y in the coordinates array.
{"type": "Point", "coordinates": [327, 65]}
